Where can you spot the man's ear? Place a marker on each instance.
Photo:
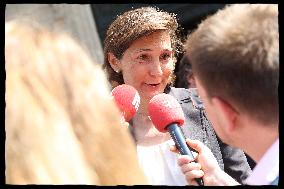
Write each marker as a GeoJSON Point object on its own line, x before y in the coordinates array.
{"type": "Point", "coordinates": [228, 113]}
{"type": "Point", "coordinates": [114, 62]}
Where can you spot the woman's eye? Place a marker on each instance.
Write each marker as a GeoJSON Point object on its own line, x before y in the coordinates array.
{"type": "Point", "coordinates": [143, 57]}
{"type": "Point", "coordinates": [165, 56]}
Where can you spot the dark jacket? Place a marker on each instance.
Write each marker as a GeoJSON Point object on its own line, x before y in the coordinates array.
{"type": "Point", "coordinates": [232, 160]}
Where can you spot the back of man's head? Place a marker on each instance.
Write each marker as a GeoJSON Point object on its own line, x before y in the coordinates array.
{"type": "Point", "coordinates": [235, 55]}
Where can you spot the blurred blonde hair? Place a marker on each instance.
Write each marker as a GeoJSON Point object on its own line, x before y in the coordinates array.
{"type": "Point", "coordinates": [61, 125]}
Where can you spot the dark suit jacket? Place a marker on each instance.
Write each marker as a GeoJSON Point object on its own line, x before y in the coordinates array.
{"type": "Point", "coordinates": [232, 160]}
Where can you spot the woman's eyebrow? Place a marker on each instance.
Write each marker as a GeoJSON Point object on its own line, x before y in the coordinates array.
{"type": "Point", "coordinates": [141, 50]}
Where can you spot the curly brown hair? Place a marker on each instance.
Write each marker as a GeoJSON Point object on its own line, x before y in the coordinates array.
{"type": "Point", "coordinates": [133, 24]}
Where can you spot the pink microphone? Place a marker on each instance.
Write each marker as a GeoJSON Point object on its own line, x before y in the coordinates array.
{"type": "Point", "coordinates": [167, 115]}
{"type": "Point", "coordinates": [127, 100]}
{"type": "Point", "coordinates": [164, 110]}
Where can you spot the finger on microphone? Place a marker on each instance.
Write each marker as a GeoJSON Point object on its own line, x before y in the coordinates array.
{"type": "Point", "coordinates": [190, 166]}
{"type": "Point", "coordinates": [195, 145]}
{"type": "Point", "coordinates": [192, 175]}
{"type": "Point", "coordinates": [174, 149]}
{"type": "Point", "coordinates": [184, 160]}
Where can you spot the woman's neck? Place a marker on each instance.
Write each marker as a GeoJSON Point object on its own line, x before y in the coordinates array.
{"type": "Point", "coordinates": [145, 132]}
{"type": "Point", "coordinates": [143, 108]}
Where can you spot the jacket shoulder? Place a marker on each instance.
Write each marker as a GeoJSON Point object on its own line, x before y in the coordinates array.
{"type": "Point", "coordinates": [187, 96]}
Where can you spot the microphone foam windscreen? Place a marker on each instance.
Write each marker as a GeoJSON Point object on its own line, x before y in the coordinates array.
{"type": "Point", "coordinates": [164, 110]}
{"type": "Point", "coordinates": [127, 99]}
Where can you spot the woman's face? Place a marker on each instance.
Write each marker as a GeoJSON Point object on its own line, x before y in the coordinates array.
{"type": "Point", "coordinates": [148, 63]}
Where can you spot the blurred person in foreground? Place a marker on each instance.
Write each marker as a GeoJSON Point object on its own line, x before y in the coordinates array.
{"type": "Point", "coordinates": [61, 125]}
{"type": "Point", "coordinates": [235, 59]}
{"type": "Point", "coordinates": [140, 50]}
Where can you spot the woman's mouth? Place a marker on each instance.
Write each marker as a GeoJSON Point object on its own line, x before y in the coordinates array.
{"type": "Point", "coordinates": [153, 86]}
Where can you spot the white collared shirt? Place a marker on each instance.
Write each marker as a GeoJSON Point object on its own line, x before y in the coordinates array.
{"type": "Point", "coordinates": [267, 169]}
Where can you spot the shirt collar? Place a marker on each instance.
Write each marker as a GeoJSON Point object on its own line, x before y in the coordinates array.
{"type": "Point", "coordinates": [267, 169]}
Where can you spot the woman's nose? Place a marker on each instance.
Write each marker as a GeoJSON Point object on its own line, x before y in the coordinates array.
{"type": "Point", "coordinates": [156, 69]}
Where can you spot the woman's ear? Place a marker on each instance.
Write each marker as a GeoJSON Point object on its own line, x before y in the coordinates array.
{"type": "Point", "coordinates": [114, 62]}
{"type": "Point", "coordinates": [227, 113]}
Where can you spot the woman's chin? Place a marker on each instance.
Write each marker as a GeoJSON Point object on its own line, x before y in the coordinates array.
{"type": "Point", "coordinates": [148, 92]}
{"type": "Point", "coordinates": [148, 96]}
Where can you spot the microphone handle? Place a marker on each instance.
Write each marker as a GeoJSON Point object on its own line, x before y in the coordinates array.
{"type": "Point", "coordinates": [179, 139]}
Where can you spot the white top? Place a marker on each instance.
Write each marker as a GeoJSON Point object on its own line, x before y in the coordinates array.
{"type": "Point", "coordinates": [267, 169]}
{"type": "Point", "coordinates": [160, 164]}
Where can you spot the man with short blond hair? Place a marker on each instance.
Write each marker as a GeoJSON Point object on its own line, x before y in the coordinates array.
{"type": "Point", "coordinates": [235, 60]}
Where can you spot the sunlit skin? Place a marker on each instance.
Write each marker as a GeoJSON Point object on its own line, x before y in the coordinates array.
{"type": "Point", "coordinates": [147, 65]}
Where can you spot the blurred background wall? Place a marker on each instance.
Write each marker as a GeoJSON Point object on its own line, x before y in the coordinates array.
{"type": "Point", "coordinates": [74, 19]}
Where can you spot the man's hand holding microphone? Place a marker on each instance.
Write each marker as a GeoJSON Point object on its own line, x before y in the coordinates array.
{"type": "Point", "coordinates": [203, 165]}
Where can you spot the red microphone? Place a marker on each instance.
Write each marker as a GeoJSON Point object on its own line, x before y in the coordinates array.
{"type": "Point", "coordinates": [167, 115]}
{"type": "Point", "coordinates": [127, 100]}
